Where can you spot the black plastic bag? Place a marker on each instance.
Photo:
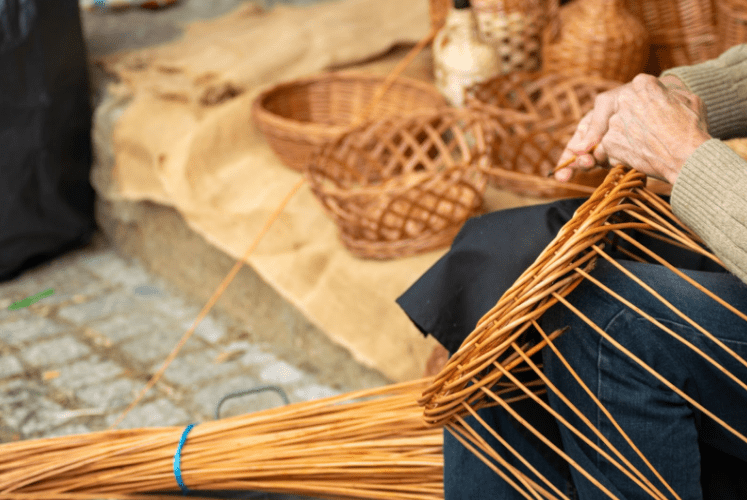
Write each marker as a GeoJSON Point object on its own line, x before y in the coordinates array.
{"type": "Point", "coordinates": [46, 200]}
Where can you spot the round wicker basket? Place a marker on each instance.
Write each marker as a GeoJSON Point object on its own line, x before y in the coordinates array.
{"type": "Point", "coordinates": [596, 37]}
{"type": "Point", "coordinates": [299, 116]}
{"type": "Point", "coordinates": [403, 186]}
{"type": "Point", "coordinates": [533, 117]}
{"type": "Point", "coordinates": [681, 32]}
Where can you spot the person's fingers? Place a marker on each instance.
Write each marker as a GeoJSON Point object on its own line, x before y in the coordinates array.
{"type": "Point", "coordinates": [572, 150]}
{"type": "Point", "coordinates": [604, 108]}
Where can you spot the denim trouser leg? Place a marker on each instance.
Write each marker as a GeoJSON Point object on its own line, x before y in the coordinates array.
{"type": "Point", "coordinates": [666, 428]}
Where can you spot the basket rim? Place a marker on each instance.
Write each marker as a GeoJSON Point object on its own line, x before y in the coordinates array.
{"type": "Point", "coordinates": [265, 118]}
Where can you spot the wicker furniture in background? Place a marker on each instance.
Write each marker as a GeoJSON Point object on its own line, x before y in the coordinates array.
{"type": "Point", "coordinates": [596, 37]}
{"type": "Point", "coordinates": [402, 186]}
{"type": "Point", "coordinates": [299, 116]}
{"type": "Point", "coordinates": [533, 117]}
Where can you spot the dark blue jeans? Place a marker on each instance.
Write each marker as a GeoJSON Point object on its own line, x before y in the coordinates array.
{"type": "Point", "coordinates": [674, 435]}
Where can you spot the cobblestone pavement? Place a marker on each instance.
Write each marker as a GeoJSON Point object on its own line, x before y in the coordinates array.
{"type": "Point", "coordinates": [72, 362]}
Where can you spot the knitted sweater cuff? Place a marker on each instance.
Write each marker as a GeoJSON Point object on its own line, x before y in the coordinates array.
{"type": "Point", "coordinates": [722, 85]}
{"type": "Point", "coordinates": [708, 197]}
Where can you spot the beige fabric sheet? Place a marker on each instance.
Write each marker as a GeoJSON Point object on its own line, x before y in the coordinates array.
{"type": "Point", "coordinates": [186, 139]}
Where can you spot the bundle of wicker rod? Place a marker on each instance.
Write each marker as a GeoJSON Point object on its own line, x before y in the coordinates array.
{"type": "Point", "coordinates": [533, 116]}
{"type": "Point", "coordinates": [403, 185]}
{"type": "Point", "coordinates": [681, 32]}
{"type": "Point", "coordinates": [596, 37]}
{"type": "Point", "coordinates": [505, 339]}
{"type": "Point", "coordinates": [731, 18]}
{"type": "Point", "coordinates": [299, 116]}
{"type": "Point", "coordinates": [365, 444]}
{"type": "Point", "coordinates": [514, 28]}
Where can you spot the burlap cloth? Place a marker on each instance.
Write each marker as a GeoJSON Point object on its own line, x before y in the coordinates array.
{"type": "Point", "coordinates": [186, 140]}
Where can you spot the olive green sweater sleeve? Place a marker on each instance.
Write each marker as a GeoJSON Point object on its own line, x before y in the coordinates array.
{"type": "Point", "coordinates": [710, 194]}
{"type": "Point", "coordinates": [722, 85]}
{"type": "Point", "coordinates": [710, 197]}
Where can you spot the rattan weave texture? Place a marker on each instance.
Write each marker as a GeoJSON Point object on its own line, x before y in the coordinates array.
{"type": "Point", "coordinates": [731, 17]}
{"type": "Point", "coordinates": [533, 117]}
{"type": "Point", "coordinates": [681, 32]}
{"type": "Point", "coordinates": [299, 116]}
{"type": "Point", "coordinates": [596, 37]}
{"type": "Point", "coordinates": [402, 186]}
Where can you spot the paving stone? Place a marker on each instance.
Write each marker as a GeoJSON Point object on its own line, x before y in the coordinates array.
{"type": "Point", "coordinates": [209, 329]}
{"type": "Point", "coordinates": [190, 369]}
{"type": "Point", "coordinates": [84, 373]}
{"type": "Point", "coordinates": [109, 395]}
{"type": "Point", "coordinates": [111, 303]}
{"type": "Point", "coordinates": [280, 372]}
{"type": "Point", "coordinates": [69, 430]}
{"type": "Point", "coordinates": [313, 391]}
{"type": "Point", "coordinates": [27, 328]}
{"type": "Point", "coordinates": [26, 407]}
{"type": "Point", "coordinates": [67, 281]}
{"type": "Point", "coordinates": [55, 352]}
{"type": "Point", "coordinates": [112, 268]}
{"type": "Point", "coordinates": [126, 325]}
{"type": "Point", "coordinates": [208, 397]}
{"type": "Point", "coordinates": [159, 413]}
{"type": "Point", "coordinates": [9, 366]}
{"type": "Point", "coordinates": [252, 355]}
{"type": "Point", "coordinates": [175, 307]}
{"type": "Point", "coordinates": [153, 346]}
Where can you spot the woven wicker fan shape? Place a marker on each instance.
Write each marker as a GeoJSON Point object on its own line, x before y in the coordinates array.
{"type": "Point", "coordinates": [515, 29]}
{"type": "Point", "coordinates": [365, 444]}
{"type": "Point", "coordinates": [300, 116]}
{"type": "Point", "coordinates": [732, 23]}
{"type": "Point", "coordinates": [402, 186]}
{"type": "Point", "coordinates": [483, 371]}
{"type": "Point", "coordinates": [596, 37]}
{"type": "Point", "coordinates": [681, 32]}
{"type": "Point", "coordinates": [534, 116]}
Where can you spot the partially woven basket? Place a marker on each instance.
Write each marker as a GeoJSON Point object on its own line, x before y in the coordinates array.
{"type": "Point", "coordinates": [299, 116]}
{"type": "Point", "coordinates": [403, 186]}
{"type": "Point", "coordinates": [681, 32]}
{"type": "Point", "coordinates": [533, 116]}
{"type": "Point", "coordinates": [732, 23]}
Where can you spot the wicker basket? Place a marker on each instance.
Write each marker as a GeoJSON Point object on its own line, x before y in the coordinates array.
{"type": "Point", "coordinates": [514, 28]}
{"type": "Point", "coordinates": [681, 32]}
{"type": "Point", "coordinates": [534, 115]}
{"type": "Point", "coordinates": [596, 37]}
{"type": "Point", "coordinates": [403, 186]}
{"type": "Point", "coordinates": [732, 23]}
{"type": "Point", "coordinates": [299, 116]}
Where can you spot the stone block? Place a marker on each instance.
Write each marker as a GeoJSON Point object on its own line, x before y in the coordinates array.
{"type": "Point", "coordinates": [56, 352]}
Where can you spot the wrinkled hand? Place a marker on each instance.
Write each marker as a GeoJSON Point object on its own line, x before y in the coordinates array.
{"type": "Point", "coordinates": [649, 124]}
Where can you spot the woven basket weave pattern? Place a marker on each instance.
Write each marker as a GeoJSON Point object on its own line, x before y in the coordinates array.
{"type": "Point", "coordinates": [534, 117]}
{"type": "Point", "coordinates": [596, 37]}
{"type": "Point", "coordinates": [681, 32]}
{"type": "Point", "coordinates": [299, 116]}
{"type": "Point", "coordinates": [732, 23]}
{"type": "Point", "coordinates": [402, 186]}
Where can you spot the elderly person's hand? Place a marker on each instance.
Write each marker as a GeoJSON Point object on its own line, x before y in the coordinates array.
{"type": "Point", "coordinates": [649, 124]}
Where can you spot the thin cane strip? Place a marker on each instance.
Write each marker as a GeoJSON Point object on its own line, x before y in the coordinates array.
{"type": "Point", "coordinates": [456, 432]}
{"type": "Point", "coordinates": [511, 449]}
{"type": "Point", "coordinates": [604, 410]}
{"type": "Point", "coordinates": [552, 446]}
{"type": "Point", "coordinates": [667, 330]}
{"type": "Point", "coordinates": [684, 276]}
{"type": "Point", "coordinates": [652, 490]}
{"type": "Point", "coordinates": [662, 207]}
{"type": "Point", "coordinates": [654, 494]}
{"type": "Point", "coordinates": [679, 233]}
{"type": "Point", "coordinates": [630, 254]}
{"type": "Point", "coordinates": [680, 239]}
{"type": "Point", "coordinates": [653, 372]}
{"type": "Point", "coordinates": [455, 398]}
{"type": "Point", "coordinates": [483, 445]}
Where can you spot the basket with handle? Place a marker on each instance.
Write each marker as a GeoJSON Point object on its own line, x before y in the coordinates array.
{"type": "Point", "coordinates": [403, 185]}
{"type": "Point", "coordinates": [533, 117]}
{"type": "Point", "coordinates": [299, 116]}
